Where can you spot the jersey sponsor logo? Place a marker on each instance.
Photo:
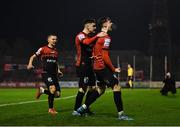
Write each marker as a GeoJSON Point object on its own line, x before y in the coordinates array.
{"type": "Point", "coordinates": [81, 36]}
{"type": "Point", "coordinates": [51, 61]}
{"type": "Point", "coordinates": [39, 51]}
{"type": "Point", "coordinates": [107, 42]}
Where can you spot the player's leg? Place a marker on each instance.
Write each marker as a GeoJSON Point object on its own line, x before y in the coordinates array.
{"type": "Point", "coordinates": [131, 81]}
{"type": "Point", "coordinates": [81, 73]}
{"type": "Point", "coordinates": [41, 90]}
{"type": "Point", "coordinates": [114, 84]}
{"type": "Point", "coordinates": [55, 92]}
{"type": "Point", "coordinates": [58, 92]}
{"type": "Point", "coordinates": [51, 81]}
{"type": "Point", "coordinates": [90, 91]}
{"type": "Point", "coordinates": [91, 83]}
{"type": "Point", "coordinates": [91, 87]}
{"type": "Point", "coordinates": [88, 94]}
{"type": "Point", "coordinates": [58, 87]}
{"type": "Point", "coordinates": [100, 89]}
{"type": "Point", "coordinates": [119, 103]}
{"type": "Point", "coordinates": [95, 94]}
{"type": "Point", "coordinates": [80, 94]}
{"type": "Point", "coordinates": [52, 89]}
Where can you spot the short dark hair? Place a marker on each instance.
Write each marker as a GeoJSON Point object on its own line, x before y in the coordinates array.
{"type": "Point", "coordinates": [89, 20]}
{"type": "Point", "coordinates": [51, 34]}
{"type": "Point", "coordinates": [102, 20]}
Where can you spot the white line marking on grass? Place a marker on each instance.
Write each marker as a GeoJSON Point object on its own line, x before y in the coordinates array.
{"type": "Point", "coordinates": [36, 101]}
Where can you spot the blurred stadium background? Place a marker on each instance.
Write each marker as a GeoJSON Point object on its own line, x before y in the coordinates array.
{"type": "Point", "coordinates": [148, 70]}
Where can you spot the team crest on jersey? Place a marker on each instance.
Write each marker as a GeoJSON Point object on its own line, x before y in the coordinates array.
{"type": "Point", "coordinates": [81, 36]}
{"type": "Point", "coordinates": [86, 79]}
{"type": "Point", "coordinates": [107, 42]}
{"type": "Point", "coordinates": [49, 79]}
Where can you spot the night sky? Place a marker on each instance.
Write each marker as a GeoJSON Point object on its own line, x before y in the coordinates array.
{"type": "Point", "coordinates": [32, 20]}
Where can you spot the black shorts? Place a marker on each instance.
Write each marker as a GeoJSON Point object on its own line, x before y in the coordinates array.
{"type": "Point", "coordinates": [106, 77]}
{"type": "Point", "coordinates": [130, 78]}
{"type": "Point", "coordinates": [51, 79]}
{"type": "Point", "coordinates": [87, 81]}
{"type": "Point", "coordinates": [86, 76]}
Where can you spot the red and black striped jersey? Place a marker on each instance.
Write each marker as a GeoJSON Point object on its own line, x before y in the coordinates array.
{"type": "Point", "coordinates": [84, 45]}
{"type": "Point", "coordinates": [49, 57]}
{"type": "Point", "coordinates": [101, 54]}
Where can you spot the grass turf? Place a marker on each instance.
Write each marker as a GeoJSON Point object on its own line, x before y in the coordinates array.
{"type": "Point", "coordinates": [146, 106]}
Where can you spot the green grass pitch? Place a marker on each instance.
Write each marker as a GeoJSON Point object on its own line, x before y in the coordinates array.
{"type": "Point", "coordinates": [148, 108]}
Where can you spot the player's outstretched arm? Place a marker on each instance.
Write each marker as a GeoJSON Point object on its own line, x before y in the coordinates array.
{"type": "Point", "coordinates": [30, 64]}
{"type": "Point", "coordinates": [88, 41]}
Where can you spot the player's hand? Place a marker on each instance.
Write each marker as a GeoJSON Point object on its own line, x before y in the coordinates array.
{"type": "Point", "coordinates": [92, 57]}
{"type": "Point", "coordinates": [30, 66]}
{"type": "Point", "coordinates": [118, 70]}
{"type": "Point", "coordinates": [101, 34]}
{"type": "Point", "coordinates": [60, 73]}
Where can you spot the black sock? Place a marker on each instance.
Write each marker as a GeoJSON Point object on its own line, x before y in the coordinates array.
{"type": "Point", "coordinates": [78, 101]}
{"type": "Point", "coordinates": [88, 95]}
{"type": "Point", "coordinates": [118, 100]}
{"type": "Point", "coordinates": [92, 98]}
{"type": "Point", "coordinates": [47, 92]}
{"type": "Point", "coordinates": [51, 100]}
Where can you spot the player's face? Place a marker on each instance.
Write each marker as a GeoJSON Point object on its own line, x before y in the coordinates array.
{"type": "Point", "coordinates": [109, 25]}
{"type": "Point", "coordinates": [52, 40]}
{"type": "Point", "coordinates": [91, 27]}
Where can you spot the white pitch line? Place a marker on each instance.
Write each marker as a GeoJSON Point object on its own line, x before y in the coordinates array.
{"type": "Point", "coordinates": [27, 102]}
{"type": "Point", "coordinates": [36, 101]}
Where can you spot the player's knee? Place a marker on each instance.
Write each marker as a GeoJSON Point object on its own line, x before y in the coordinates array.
{"type": "Point", "coordinates": [52, 89]}
{"type": "Point", "coordinates": [116, 87]}
{"type": "Point", "coordinates": [91, 88]}
{"type": "Point", "coordinates": [100, 90]}
{"type": "Point", "coordinates": [83, 89]}
{"type": "Point", "coordinates": [57, 94]}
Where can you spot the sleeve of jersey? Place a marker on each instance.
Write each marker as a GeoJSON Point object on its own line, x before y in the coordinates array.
{"type": "Point", "coordinates": [88, 41]}
{"type": "Point", "coordinates": [107, 60]}
{"type": "Point", "coordinates": [39, 52]}
{"type": "Point", "coordinates": [105, 54]}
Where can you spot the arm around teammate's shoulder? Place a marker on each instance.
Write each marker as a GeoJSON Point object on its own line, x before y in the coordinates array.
{"type": "Point", "coordinates": [88, 41]}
